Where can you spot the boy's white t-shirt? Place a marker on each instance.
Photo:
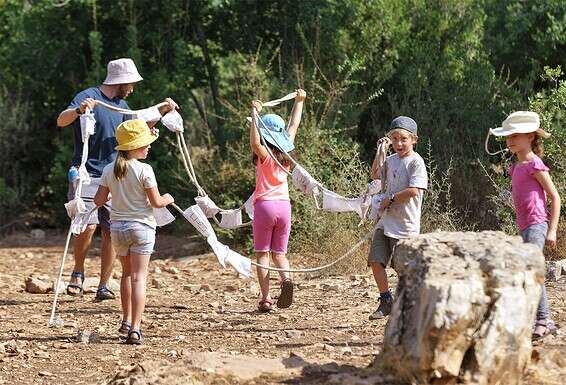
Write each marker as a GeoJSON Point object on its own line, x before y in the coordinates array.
{"type": "Point", "coordinates": [402, 220]}
{"type": "Point", "coordinates": [129, 199]}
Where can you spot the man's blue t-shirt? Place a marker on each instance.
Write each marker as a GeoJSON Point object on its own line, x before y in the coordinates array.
{"type": "Point", "coordinates": [100, 145]}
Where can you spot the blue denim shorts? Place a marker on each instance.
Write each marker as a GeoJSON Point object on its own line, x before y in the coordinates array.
{"type": "Point", "coordinates": [132, 237]}
{"type": "Point", "coordinates": [535, 234]}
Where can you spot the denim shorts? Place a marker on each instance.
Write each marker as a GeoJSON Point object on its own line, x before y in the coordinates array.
{"type": "Point", "coordinates": [535, 234]}
{"type": "Point", "coordinates": [132, 237]}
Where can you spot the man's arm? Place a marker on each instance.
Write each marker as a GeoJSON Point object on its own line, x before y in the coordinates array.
{"type": "Point", "coordinates": [70, 115]}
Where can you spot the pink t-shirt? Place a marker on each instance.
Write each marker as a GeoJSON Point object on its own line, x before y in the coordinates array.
{"type": "Point", "coordinates": [270, 181]}
{"type": "Point", "coordinates": [529, 198]}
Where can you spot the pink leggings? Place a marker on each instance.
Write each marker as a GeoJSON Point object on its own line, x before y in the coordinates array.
{"type": "Point", "coordinates": [272, 226]}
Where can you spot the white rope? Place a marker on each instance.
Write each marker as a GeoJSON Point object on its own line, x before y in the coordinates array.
{"type": "Point", "coordinates": [306, 270]}
{"type": "Point", "coordinates": [502, 151]}
{"type": "Point", "coordinates": [52, 317]}
{"type": "Point", "coordinates": [125, 111]}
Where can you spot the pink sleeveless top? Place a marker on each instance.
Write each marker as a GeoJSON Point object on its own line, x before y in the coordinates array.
{"type": "Point", "coordinates": [270, 181]}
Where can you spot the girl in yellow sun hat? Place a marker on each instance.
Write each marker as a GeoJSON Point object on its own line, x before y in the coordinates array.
{"type": "Point", "coordinates": [134, 194]}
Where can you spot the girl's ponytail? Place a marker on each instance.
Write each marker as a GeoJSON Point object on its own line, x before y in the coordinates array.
{"type": "Point", "coordinates": [121, 165]}
{"type": "Point", "coordinates": [537, 147]}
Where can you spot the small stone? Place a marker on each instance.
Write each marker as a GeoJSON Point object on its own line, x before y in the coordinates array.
{"type": "Point", "coordinates": [214, 304]}
{"type": "Point", "coordinates": [46, 374]}
{"type": "Point", "coordinates": [41, 354]}
{"type": "Point", "coordinates": [171, 269]}
{"type": "Point", "coordinates": [284, 317]}
{"type": "Point", "coordinates": [328, 348]}
{"type": "Point", "coordinates": [357, 277]}
{"type": "Point", "coordinates": [293, 333]}
{"type": "Point", "coordinates": [205, 287]}
{"type": "Point", "coordinates": [308, 285]}
{"type": "Point", "coordinates": [157, 283]}
{"type": "Point", "coordinates": [355, 338]}
{"type": "Point", "coordinates": [346, 350]}
{"type": "Point", "coordinates": [37, 286]}
{"type": "Point", "coordinates": [87, 337]}
{"type": "Point", "coordinates": [331, 287]}
{"type": "Point", "coordinates": [57, 322]}
{"type": "Point", "coordinates": [157, 270]}
{"type": "Point", "coordinates": [191, 288]}
{"type": "Point", "coordinates": [231, 288]}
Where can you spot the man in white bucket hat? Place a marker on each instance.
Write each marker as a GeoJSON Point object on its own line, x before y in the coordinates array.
{"type": "Point", "coordinates": [122, 75]}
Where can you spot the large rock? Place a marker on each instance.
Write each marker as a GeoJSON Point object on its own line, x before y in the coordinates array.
{"type": "Point", "coordinates": [464, 309]}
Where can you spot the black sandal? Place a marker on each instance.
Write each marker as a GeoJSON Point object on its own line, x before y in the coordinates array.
{"type": "Point", "coordinates": [76, 274]}
{"type": "Point", "coordinates": [286, 297]}
{"type": "Point", "coordinates": [135, 341]}
{"type": "Point", "coordinates": [104, 293]}
{"type": "Point", "coordinates": [124, 329]}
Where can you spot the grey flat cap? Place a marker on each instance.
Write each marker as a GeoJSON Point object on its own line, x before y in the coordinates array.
{"type": "Point", "coordinates": [405, 123]}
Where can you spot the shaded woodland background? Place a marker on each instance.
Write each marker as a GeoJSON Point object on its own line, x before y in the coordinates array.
{"type": "Point", "coordinates": [456, 67]}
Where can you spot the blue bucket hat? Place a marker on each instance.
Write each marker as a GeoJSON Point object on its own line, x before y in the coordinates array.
{"type": "Point", "coordinates": [275, 133]}
{"type": "Point", "coordinates": [405, 123]}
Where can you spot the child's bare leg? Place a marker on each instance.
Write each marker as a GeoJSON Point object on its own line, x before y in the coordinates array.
{"type": "Point", "coordinates": [106, 257]}
{"type": "Point", "coordinates": [126, 289]}
{"type": "Point", "coordinates": [282, 262]}
{"type": "Point", "coordinates": [139, 264]}
{"type": "Point", "coordinates": [263, 274]}
{"type": "Point", "coordinates": [380, 276]}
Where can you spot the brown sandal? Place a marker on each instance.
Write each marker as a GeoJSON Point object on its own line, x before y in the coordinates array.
{"type": "Point", "coordinates": [286, 297]}
{"type": "Point", "coordinates": [265, 305]}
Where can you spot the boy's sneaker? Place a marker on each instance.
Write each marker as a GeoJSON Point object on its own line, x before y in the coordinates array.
{"type": "Point", "coordinates": [384, 309]}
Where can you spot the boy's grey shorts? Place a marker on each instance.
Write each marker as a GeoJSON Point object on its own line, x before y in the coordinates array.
{"type": "Point", "coordinates": [381, 249]}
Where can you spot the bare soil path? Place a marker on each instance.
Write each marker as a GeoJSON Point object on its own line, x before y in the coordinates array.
{"type": "Point", "coordinates": [201, 326]}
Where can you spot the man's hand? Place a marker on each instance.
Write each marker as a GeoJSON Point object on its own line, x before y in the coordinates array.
{"type": "Point", "coordinates": [171, 105]}
{"type": "Point", "coordinates": [87, 103]}
{"type": "Point", "coordinates": [301, 95]}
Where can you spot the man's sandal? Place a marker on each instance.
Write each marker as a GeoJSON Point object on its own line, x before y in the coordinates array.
{"type": "Point", "coordinates": [104, 293]}
{"type": "Point", "coordinates": [76, 274]}
{"type": "Point", "coordinates": [548, 327]}
{"type": "Point", "coordinates": [286, 297]}
{"type": "Point", "coordinates": [124, 329]}
{"type": "Point", "coordinates": [135, 337]}
{"type": "Point", "coordinates": [265, 305]}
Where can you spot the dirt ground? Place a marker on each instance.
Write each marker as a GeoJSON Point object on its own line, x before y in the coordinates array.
{"type": "Point", "coordinates": [201, 326]}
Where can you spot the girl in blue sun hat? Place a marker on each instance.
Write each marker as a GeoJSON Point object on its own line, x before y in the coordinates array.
{"type": "Point", "coordinates": [272, 207]}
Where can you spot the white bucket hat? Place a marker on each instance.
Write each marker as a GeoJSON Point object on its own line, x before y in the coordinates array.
{"type": "Point", "coordinates": [520, 122]}
{"type": "Point", "coordinates": [121, 71]}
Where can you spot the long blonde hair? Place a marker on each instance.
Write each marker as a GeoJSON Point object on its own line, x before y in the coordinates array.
{"type": "Point", "coordinates": [121, 165]}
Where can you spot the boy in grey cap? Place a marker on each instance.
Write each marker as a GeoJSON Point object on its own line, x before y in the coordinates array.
{"type": "Point", "coordinates": [406, 180]}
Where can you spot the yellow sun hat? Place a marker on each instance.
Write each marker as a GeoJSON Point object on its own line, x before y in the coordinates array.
{"type": "Point", "coordinates": [133, 134]}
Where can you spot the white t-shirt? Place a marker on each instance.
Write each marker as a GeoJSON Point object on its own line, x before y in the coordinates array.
{"type": "Point", "coordinates": [129, 199]}
{"type": "Point", "coordinates": [403, 219]}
